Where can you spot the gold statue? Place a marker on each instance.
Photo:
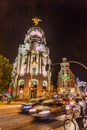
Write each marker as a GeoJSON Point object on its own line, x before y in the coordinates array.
{"type": "Point", "coordinates": [36, 21]}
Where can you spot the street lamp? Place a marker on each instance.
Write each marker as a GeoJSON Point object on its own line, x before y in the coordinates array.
{"type": "Point", "coordinates": [79, 64]}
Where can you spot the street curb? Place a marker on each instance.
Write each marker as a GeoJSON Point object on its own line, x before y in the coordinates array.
{"type": "Point", "coordinates": [12, 103]}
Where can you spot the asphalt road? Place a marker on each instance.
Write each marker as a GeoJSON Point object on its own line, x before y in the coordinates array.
{"type": "Point", "coordinates": [11, 119]}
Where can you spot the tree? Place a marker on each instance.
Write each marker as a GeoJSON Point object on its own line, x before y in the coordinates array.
{"type": "Point", "coordinates": [5, 73]}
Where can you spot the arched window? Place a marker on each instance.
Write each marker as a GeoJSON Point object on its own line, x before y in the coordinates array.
{"type": "Point", "coordinates": [21, 84]}
{"type": "Point", "coordinates": [44, 84]}
{"type": "Point", "coordinates": [34, 83]}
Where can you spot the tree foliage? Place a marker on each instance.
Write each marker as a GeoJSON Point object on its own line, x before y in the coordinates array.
{"type": "Point", "coordinates": [5, 73]}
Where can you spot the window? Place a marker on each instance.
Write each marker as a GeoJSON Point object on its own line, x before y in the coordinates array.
{"type": "Point", "coordinates": [34, 71]}
{"type": "Point", "coordinates": [68, 83]}
{"type": "Point", "coordinates": [63, 84]}
{"type": "Point", "coordinates": [67, 72]}
{"type": "Point", "coordinates": [35, 82]}
{"type": "Point", "coordinates": [21, 84]}
{"type": "Point", "coordinates": [44, 83]}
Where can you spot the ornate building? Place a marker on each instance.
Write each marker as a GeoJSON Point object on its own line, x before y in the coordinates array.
{"type": "Point", "coordinates": [30, 78]}
{"type": "Point", "coordinates": [82, 87]}
{"type": "Point", "coordinates": [66, 79]}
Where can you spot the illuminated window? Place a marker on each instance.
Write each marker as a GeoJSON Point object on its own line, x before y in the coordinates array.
{"type": "Point", "coordinates": [44, 84]}
{"type": "Point", "coordinates": [34, 82]}
{"type": "Point", "coordinates": [21, 84]}
{"type": "Point", "coordinates": [34, 71]}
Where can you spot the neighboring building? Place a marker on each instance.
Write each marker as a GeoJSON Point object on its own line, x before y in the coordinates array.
{"type": "Point", "coordinates": [82, 87]}
{"type": "Point", "coordinates": [30, 78]}
{"type": "Point", "coordinates": [66, 79]}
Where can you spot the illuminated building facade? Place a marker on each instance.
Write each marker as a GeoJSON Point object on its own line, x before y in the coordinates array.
{"type": "Point", "coordinates": [30, 78]}
{"type": "Point", "coordinates": [82, 87]}
{"type": "Point", "coordinates": [66, 79]}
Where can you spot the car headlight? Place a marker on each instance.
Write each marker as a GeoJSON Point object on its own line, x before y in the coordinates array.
{"type": "Point", "coordinates": [72, 103]}
{"type": "Point", "coordinates": [68, 107]}
{"type": "Point", "coordinates": [44, 112]}
{"type": "Point", "coordinates": [27, 107]}
{"type": "Point", "coordinates": [32, 110]}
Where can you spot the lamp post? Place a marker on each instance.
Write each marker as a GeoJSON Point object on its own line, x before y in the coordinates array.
{"type": "Point", "coordinates": [85, 67]}
{"type": "Point", "coordinates": [58, 63]}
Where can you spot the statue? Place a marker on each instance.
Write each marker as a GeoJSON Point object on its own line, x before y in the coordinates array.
{"type": "Point", "coordinates": [36, 21]}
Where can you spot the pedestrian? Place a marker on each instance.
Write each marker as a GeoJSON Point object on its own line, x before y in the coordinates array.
{"type": "Point", "coordinates": [9, 98]}
{"type": "Point", "coordinates": [79, 119]}
{"type": "Point", "coordinates": [84, 106]}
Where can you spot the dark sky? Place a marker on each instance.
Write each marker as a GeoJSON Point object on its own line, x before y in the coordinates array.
{"type": "Point", "coordinates": [63, 21]}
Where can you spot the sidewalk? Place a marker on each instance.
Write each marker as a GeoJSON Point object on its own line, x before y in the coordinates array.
{"type": "Point", "coordinates": [13, 104]}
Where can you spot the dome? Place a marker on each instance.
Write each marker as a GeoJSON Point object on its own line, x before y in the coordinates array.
{"type": "Point", "coordinates": [35, 34]}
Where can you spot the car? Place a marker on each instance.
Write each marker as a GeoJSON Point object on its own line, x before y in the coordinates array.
{"type": "Point", "coordinates": [24, 107]}
{"type": "Point", "coordinates": [59, 102]}
{"type": "Point", "coordinates": [47, 110]}
{"type": "Point", "coordinates": [66, 100]}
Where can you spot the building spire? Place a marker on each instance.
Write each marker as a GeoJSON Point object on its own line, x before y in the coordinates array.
{"type": "Point", "coordinates": [36, 21]}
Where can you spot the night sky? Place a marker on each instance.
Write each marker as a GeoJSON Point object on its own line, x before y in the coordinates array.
{"type": "Point", "coordinates": [63, 21]}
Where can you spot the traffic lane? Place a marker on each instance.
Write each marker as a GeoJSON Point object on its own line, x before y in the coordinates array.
{"type": "Point", "coordinates": [32, 125]}
{"type": "Point", "coordinates": [44, 125]}
{"type": "Point", "coordinates": [9, 117]}
{"type": "Point", "coordinates": [14, 121]}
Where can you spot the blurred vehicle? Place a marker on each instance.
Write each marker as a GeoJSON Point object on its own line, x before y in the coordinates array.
{"type": "Point", "coordinates": [59, 101]}
{"type": "Point", "coordinates": [24, 107]}
{"type": "Point", "coordinates": [66, 100]}
{"type": "Point", "coordinates": [48, 109]}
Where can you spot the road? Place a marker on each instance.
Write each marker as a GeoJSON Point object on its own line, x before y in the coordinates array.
{"type": "Point", "coordinates": [11, 119]}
